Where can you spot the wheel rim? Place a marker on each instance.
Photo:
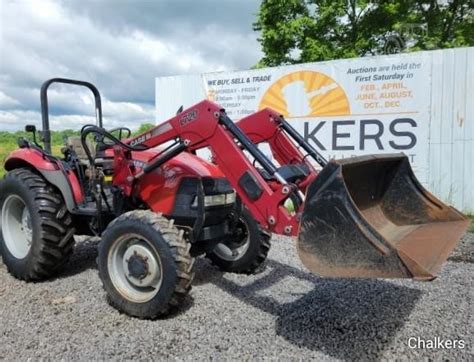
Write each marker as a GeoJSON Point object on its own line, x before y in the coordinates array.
{"type": "Point", "coordinates": [17, 230]}
{"type": "Point", "coordinates": [225, 252]}
{"type": "Point", "coordinates": [135, 268]}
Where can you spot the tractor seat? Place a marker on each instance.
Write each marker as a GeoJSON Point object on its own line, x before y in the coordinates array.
{"type": "Point", "coordinates": [74, 143]}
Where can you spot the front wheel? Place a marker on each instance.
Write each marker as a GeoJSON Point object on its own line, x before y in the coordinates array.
{"type": "Point", "coordinates": [246, 250]}
{"type": "Point", "coordinates": [144, 264]}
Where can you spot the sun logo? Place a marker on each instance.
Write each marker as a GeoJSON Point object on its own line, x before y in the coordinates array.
{"type": "Point", "coordinates": [306, 94]}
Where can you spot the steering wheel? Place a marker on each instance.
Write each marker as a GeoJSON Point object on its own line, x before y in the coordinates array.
{"type": "Point", "coordinates": [121, 131]}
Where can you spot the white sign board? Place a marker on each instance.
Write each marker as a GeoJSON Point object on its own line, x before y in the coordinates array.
{"type": "Point", "coordinates": [343, 108]}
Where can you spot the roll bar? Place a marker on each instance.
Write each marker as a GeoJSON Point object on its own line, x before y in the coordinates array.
{"type": "Point", "coordinates": [46, 134]}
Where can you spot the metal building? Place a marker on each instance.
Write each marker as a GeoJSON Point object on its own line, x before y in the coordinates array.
{"type": "Point", "coordinates": [441, 106]}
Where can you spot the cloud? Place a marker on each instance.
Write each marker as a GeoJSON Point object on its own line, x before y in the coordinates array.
{"type": "Point", "coordinates": [120, 46]}
{"type": "Point", "coordinates": [7, 101]}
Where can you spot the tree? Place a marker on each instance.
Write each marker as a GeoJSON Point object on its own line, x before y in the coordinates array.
{"type": "Point", "coordinates": [143, 128]}
{"type": "Point", "coordinates": [295, 31]}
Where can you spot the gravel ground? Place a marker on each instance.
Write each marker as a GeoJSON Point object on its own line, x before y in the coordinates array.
{"type": "Point", "coordinates": [283, 312]}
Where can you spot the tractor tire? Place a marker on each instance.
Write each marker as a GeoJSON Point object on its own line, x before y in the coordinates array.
{"type": "Point", "coordinates": [246, 254]}
{"type": "Point", "coordinates": [36, 236]}
{"type": "Point", "coordinates": [144, 264]}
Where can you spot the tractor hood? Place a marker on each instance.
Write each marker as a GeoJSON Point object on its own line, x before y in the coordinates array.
{"type": "Point", "coordinates": [186, 162]}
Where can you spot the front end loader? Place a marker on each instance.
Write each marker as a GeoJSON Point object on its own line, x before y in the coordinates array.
{"type": "Point", "coordinates": [156, 205]}
{"type": "Point", "coordinates": [364, 216]}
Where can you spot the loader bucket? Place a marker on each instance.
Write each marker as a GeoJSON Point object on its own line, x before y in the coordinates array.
{"type": "Point", "coordinates": [370, 217]}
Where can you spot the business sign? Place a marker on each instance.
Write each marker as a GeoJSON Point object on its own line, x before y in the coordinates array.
{"type": "Point", "coordinates": [343, 108]}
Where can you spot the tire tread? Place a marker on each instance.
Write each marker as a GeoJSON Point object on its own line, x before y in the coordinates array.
{"type": "Point", "coordinates": [255, 262]}
{"type": "Point", "coordinates": [57, 235]}
{"type": "Point", "coordinates": [179, 249]}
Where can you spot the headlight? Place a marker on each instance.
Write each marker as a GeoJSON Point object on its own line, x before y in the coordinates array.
{"type": "Point", "coordinates": [230, 198]}
{"type": "Point", "coordinates": [217, 200]}
{"type": "Point", "coordinates": [214, 200]}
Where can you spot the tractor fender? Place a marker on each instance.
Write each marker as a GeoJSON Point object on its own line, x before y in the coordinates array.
{"type": "Point", "coordinates": [66, 181]}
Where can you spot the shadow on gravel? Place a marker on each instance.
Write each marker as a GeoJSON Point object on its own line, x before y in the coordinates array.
{"type": "Point", "coordinates": [83, 257]}
{"type": "Point", "coordinates": [343, 318]}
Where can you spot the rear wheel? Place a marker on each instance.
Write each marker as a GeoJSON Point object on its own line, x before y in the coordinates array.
{"type": "Point", "coordinates": [246, 251]}
{"type": "Point", "coordinates": [144, 264]}
{"type": "Point", "coordinates": [36, 235]}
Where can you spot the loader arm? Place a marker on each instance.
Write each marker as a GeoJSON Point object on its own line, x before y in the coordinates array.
{"type": "Point", "coordinates": [270, 127]}
{"type": "Point", "coordinates": [206, 125]}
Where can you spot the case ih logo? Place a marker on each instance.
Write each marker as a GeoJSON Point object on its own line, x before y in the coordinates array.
{"type": "Point", "coordinates": [140, 139]}
{"type": "Point", "coordinates": [188, 117]}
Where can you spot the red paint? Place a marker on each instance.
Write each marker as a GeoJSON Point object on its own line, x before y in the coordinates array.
{"type": "Point", "coordinates": [198, 126]}
{"type": "Point", "coordinates": [159, 188]}
{"type": "Point", "coordinates": [30, 156]}
{"type": "Point", "coordinates": [35, 159]}
{"type": "Point", "coordinates": [262, 127]}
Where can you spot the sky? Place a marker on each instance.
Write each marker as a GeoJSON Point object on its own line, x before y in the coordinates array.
{"type": "Point", "coordinates": [120, 46]}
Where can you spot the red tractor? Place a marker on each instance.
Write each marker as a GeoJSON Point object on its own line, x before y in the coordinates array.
{"type": "Point", "coordinates": [156, 205]}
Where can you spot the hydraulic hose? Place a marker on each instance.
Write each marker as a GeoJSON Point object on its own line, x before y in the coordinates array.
{"type": "Point", "coordinates": [90, 128]}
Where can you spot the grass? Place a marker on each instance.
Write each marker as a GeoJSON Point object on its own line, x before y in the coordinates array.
{"type": "Point", "coordinates": [8, 141]}
{"type": "Point", "coordinates": [6, 149]}
{"type": "Point", "coordinates": [471, 228]}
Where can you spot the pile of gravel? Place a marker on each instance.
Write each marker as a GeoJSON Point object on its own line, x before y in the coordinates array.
{"type": "Point", "coordinates": [283, 312]}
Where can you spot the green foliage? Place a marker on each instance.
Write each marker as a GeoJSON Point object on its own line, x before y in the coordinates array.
{"type": "Point", "coordinates": [143, 128]}
{"type": "Point", "coordinates": [8, 141]}
{"type": "Point", "coordinates": [471, 228]}
{"type": "Point", "coordinates": [296, 31]}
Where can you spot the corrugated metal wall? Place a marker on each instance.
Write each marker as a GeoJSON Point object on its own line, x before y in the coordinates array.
{"type": "Point", "coordinates": [451, 139]}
